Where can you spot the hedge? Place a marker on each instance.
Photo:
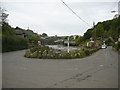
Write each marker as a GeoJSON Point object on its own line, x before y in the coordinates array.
{"type": "Point", "coordinates": [13, 43]}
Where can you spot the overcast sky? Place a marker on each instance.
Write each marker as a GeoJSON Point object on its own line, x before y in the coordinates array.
{"type": "Point", "coordinates": [54, 18]}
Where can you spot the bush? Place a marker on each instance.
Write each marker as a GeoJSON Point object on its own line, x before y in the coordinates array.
{"type": "Point", "coordinates": [117, 46]}
{"type": "Point", "coordinates": [108, 42]}
{"type": "Point", "coordinates": [13, 43]}
{"type": "Point", "coordinates": [87, 52]}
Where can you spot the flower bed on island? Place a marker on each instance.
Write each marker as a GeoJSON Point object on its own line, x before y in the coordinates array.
{"type": "Point", "coordinates": [45, 52]}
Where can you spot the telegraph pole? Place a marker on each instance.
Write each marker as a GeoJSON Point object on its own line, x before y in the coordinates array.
{"type": "Point", "coordinates": [95, 30]}
{"type": "Point", "coordinates": [118, 11]}
{"type": "Point", "coordinates": [119, 8]}
{"type": "Point", "coordinates": [95, 33]}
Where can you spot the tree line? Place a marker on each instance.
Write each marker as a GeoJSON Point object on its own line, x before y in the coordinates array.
{"type": "Point", "coordinates": [102, 31]}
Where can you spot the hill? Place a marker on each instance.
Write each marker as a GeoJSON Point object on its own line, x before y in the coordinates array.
{"type": "Point", "coordinates": [103, 31]}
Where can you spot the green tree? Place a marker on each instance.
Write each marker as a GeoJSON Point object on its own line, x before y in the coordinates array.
{"type": "Point", "coordinates": [87, 35]}
{"type": "Point", "coordinates": [100, 30]}
{"type": "Point", "coordinates": [44, 35]}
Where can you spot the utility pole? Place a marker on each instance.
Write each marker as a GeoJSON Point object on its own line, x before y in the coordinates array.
{"type": "Point", "coordinates": [95, 33]}
{"type": "Point", "coordinates": [119, 8]}
{"type": "Point", "coordinates": [95, 30]}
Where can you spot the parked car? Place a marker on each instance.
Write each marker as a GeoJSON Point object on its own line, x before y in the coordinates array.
{"type": "Point", "coordinates": [104, 46]}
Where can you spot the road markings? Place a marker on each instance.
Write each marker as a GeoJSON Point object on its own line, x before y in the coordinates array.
{"type": "Point", "coordinates": [101, 65]}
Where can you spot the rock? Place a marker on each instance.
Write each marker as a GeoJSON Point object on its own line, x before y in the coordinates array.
{"type": "Point", "coordinates": [39, 53]}
{"type": "Point", "coordinates": [44, 53]}
{"type": "Point", "coordinates": [27, 54]}
{"type": "Point", "coordinates": [34, 54]}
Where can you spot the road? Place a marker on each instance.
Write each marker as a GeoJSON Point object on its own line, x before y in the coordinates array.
{"type": "Point", "coordinates": [99, 70]}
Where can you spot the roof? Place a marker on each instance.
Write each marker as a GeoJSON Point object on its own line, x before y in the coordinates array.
{"type": "Point", "coordinates": [19, 32]}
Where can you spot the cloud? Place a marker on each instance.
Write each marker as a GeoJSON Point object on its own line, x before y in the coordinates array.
{"type": "Point", "coordinates": [48, 1]}
{"type": "Point", "coordinates": [54, 18]}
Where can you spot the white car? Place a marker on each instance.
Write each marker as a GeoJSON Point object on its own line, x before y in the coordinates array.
{"type": "Point", "coordinates": [104, 46]}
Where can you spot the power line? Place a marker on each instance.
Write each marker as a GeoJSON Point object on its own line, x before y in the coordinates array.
{"type": "Point", "coordinates": [75, 13]}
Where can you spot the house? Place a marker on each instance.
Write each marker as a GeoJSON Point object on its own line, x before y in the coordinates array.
{"type": "Point", "coordinates": [59, 40]}
{"type": "Point", "coordinates": [71, 42]}
{"type": "Point", "coordinates": [20, 32]}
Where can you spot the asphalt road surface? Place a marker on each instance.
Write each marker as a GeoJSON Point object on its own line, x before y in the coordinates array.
{"type": "Point", "coordinates": [99, 70]}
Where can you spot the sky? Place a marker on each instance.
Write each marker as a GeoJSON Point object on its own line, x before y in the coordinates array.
{"type": "Point", "coordinates": [54, 18]}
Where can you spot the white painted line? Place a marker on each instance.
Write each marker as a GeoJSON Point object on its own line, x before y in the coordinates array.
{"type": "Point", "coordinates": [101, 65]}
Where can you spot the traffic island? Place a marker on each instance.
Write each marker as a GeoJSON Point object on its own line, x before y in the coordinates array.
{"type": "Point", "coordinates": [45, 52]}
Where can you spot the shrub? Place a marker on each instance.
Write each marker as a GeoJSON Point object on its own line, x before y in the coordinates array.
{"type": "Point", "coordinates": [116, 46]}
{"type": "Point", "coordinates": [13, 43]}
{"type": "Point", "coordinates": [87, 52]}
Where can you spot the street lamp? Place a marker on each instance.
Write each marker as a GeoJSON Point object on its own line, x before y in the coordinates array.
{"type": "Point", "coordinates": [118, 11]}
{"type": "Point", "coordinates": [116, 15]}
{"type": "Point", "coordinates": [114, 11]}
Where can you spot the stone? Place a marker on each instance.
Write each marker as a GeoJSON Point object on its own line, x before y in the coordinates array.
{"type": "Point", "coordinates": [44, 53]}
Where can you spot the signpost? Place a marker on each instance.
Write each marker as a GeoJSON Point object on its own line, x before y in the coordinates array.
{"type": "Point", "coordinates": [68, 44]}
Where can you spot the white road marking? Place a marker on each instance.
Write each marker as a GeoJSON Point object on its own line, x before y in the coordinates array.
{"type": "Point", "coordinates": [101, 65]}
